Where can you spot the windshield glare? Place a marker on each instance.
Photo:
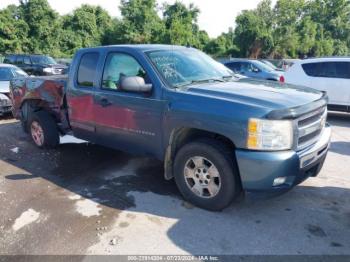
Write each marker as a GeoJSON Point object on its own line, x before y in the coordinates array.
{"type": "Point", "coordinates": [46, 60]}
{"type": "Point", "coordinates": [20, 73]}
{"type": "Point", "coordinates": [268, 63]}
{"type": "Point", "coordinates": [263, 67]}
{"type": "Point", "coordinates": [186, 66]}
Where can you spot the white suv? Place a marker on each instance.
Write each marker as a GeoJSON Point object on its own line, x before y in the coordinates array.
{"type": "Point", "coordinates": [326, 74]}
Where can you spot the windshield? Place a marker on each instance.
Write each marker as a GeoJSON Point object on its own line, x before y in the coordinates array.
{"type": "Point", "coordinates": [20, 73]}
{"type": "Point", "coordinates": [186, 66]}
{"type": "Point", "coordinates": [268, 63]}
{"type": "Point", "coordinates": [5, 74]}
{"type": "Point", "coordinates": [46, 60]}
{"type": "Point", "coordinates": [262, 66]}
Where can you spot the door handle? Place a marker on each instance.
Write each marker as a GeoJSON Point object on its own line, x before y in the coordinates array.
{"type": "Point", "coordinates": [104, 102]}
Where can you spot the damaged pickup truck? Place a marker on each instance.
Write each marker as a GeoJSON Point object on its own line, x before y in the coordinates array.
{"type": "Point", "coordinates": [218, 135]}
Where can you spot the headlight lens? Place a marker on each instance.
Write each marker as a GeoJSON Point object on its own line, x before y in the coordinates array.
{"type": "Point", "coordinates": [48, 70]}
{"type": "Point", "coordinates": [269, 135]}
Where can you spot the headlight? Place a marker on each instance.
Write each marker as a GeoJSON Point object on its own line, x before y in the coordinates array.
{"type": "Point", "coordinates": [48, 70]}
{"type": "Point", "coordinates": [4, 103]}
{"type": "Point", "coordinates": [269, 135]}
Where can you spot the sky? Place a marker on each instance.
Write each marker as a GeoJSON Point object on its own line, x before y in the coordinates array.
{"type": "Point", "coordinates": [216, 15]}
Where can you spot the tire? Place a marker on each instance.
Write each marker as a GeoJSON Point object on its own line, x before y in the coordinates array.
{"type": "Point", "coordinates": [24, 123]}
{"type": "Point", "coordinates": [210, 152]}
{"type": "Point", "coordinates": [48, 128]}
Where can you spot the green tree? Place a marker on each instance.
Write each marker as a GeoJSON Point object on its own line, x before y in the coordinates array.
{"type": "Point", "coordinates": [13, 31]}
{"type": "Point", "coordinates": [85, 27]}
{"type": "Point", "coordinates": [333, 19]}
{"type": "Point", "coordinates": [287, 15]}
{"type": "Point", "coordinates": [253, 33]}
{"type": "Point", "coordinates": [222, 45]}
{"type": "Point", "coordinates": [181, 24]}
{"type": "Point", "coordinates": [307, 30]}
{"type": "Point", "coordinates": [43, 25]}
{"type": "Point", "coordinates": [140, 22]}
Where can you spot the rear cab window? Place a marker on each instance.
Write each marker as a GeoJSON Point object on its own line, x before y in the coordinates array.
{"type": "Point", "coordinates": [87, 70]}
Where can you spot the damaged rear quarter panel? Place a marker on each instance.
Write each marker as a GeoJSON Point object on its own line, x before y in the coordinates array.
{"type": "Point", "coordinates": [48, 93]}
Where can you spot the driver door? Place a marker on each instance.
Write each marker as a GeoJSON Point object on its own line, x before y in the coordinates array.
{"type": "Point", "coordinates": [130, 121]}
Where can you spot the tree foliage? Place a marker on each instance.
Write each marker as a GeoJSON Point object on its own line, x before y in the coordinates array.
{"type": "Point", "coordinates": [291, 28]}
{"type": "Point", "coordinates": [295, 28]}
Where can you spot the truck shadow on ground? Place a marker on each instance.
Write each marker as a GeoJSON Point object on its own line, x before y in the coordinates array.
{"type": "Point", "coordinates": [342, 148]}
{"type": "Point", "coordinates": [122, 182]}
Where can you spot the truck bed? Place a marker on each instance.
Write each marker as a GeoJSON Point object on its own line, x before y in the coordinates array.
{"type": "Point", "coordinates": [46, 91]}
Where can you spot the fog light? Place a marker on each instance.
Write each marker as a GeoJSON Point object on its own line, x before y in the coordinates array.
{"type": "Point", "coordinates": [279, 181]}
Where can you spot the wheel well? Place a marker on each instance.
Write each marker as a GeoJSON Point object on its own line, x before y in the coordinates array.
{"type": "Point", "coordinates": [29, 106]}
{"type": "Point", "coordinates": [182, 136]}
{"type": "Point", "coordinates": [34, 105]}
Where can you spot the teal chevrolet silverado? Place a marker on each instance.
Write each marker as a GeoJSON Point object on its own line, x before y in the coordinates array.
{"type": "Point", "coordinates": [218, 134]}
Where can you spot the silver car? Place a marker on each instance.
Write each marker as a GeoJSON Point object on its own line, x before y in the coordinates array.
{"type": "Point", "coordinates": [7, 74]}
{"type": "Point", "coordinates": [254, 69]}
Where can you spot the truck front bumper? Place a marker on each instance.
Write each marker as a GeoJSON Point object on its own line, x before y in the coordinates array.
{"type": "Point", "coordinates": [277, 172]}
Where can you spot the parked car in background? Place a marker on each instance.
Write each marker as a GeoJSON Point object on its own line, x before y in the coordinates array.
{"type": "Point", "coordinates": [7, 74]}
{"type": "Point", "coordinates": [285, 64]}
{"type": "Point", "coordinates": [331, 75]}
{"type": "Point", "coordinates": [64, 61]}
{"type": "Point", "coordinates": [217, 134]}
{"type": "Point", "coordinates": [281, 64]}
{"type": "Point", "coordinates": [254, 69]}
{"type": "Point", "coordinates": [38, 65]}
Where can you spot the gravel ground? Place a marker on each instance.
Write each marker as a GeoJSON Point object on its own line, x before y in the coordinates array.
{"type": "Point", "coordinates": [87, 199]}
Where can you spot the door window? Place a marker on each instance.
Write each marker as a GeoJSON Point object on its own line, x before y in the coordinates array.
{"type": "Point", "coordinates": [11, 59]}
{"type": "Point", "coordinates": [119, 65]}
{"type": "Point", "coordinates": [88, 69]}
{"type": "Point", "coordinates": [27, 60]}
{"type": "Point", "coordinates": [328, 69]}
{"type": "Point", "coordinates": [343, 69]}
{"type": "Point", "coordinates": [253, 68]}
{"type": "Point", "coordinates": [235, 67]}
{"type": "Point", "coordinates": [19, 60]}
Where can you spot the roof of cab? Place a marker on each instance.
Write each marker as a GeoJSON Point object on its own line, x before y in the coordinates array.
{"type": "Point", "coordinates": [142, 48]}
{"type": "Point", "coordinates": [326, 59]}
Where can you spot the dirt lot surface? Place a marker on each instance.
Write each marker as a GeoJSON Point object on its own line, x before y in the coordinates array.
{"type": "Point", "coordinates": [86, 199]}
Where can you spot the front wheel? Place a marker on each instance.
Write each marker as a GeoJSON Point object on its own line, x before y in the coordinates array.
{"type": "Point", "coordinates": [206, 174]}
{"type": "Point", "coordinates": [43, 130]}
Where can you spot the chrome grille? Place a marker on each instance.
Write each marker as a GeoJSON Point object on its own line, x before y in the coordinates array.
{"type": "Point", "coordinates": [310, 127]}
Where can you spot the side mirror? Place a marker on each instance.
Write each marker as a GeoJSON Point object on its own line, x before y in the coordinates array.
{"type": "Point", "coordinates": [135, 84]}
{"type": "Point", "coordinates": [256, 70]}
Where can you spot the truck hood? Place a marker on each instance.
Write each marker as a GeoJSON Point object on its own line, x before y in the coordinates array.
{"type": "Point", "coordinates": [3, 97]}
{"type": "Point", "coordinates": [267, 94]}
{"type": "Point", "coordinates": [4, 87]}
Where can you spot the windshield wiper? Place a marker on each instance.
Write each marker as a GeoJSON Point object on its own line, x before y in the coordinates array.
{"type": "Point", "coordinates": [229, 77]}
{"type": "Point", "coordinates": [209, 80]}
